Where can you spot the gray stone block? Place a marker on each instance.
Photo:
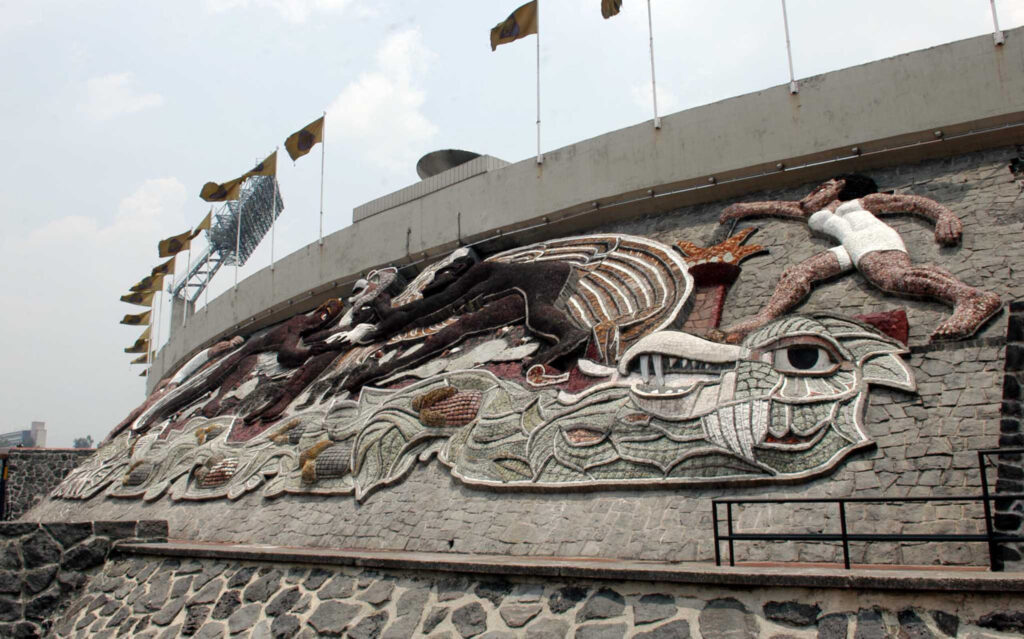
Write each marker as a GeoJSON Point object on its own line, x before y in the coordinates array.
{"type": "Point", "coordinates": [86, 555]}
{"type": "Point", "coordinates": [566, 598]}
{"type": "Point", "coordinates": [316, 578]}
{"type": "Point", "coordinates": [833, 626]}
{"type": "Point", "coordinates": [284, 626]}
{"type": "Point", "coordinates": [244, 618]}
{"type": "Point", "coordinates": [946, 623]}
{"type": "Point", "coordinates": [39, 549]}
{"type": "Point", "coordinates": [792, 613]}
{"type": "Point", "coordinates": [228, 603]}
{"type": "Point", "coordinates": [604, 604]}
{"type": "Point", "coordinates": [870, 624]}
{"type": "Point", "coordinates": [332, 618]}
{"type": "Point", "coordinates": [727, 619]}
{"type": "Point", "coordinates": [369, 627]}
{"type": "Point", "coordinates": [678, 629]}
{"type": "Point", "coordinates": [378, 592]}
{"type": "Point", "coordinates": [433, 618]}
{"type": "Point", "coordinates": [494, 591]}
{"type": "Point", "coordinates": [69, 534]}
{"type": "Point", "coordinates": [601, 631]}
{"type": "Point", "coordinates": [470, 620]}
{"type": "Point", "coordinates": [341, 587]}
{"type": "Point", "coordinates": [654, 607]}
{"type": "Point", "coordinates": [261, 589]}
{"type": "Point", "coordinates": [548, 628]}
{"type": "Point", "coordinates": [283, 602]}
{"type": "Point", "coordinates": [517, 615]}
{"type": "Point", "coordinates": [115, 529]}
{"type": "Point", "coordinates": [195, 617]}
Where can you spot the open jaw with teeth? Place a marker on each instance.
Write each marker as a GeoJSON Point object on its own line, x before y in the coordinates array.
{"type": "Point", "coordinates": [670, 363]}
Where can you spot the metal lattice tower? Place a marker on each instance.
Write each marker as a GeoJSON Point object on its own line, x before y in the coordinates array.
{"type": "Point", "coordinates": [257, 214]}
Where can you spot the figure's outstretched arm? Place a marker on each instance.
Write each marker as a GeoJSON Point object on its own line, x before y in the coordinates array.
{"type": "Point", "coordinates": [948, 227]}
{"type": "Point", "coordinates": [752, 209]}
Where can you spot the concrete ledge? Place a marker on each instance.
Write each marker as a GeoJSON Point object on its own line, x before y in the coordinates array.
{"type": "Point", "coordinates": [910, 578]}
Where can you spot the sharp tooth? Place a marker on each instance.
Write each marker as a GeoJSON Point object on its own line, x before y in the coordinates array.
{"type": "Point", "coordinates": [645, 367]}
{"type": "Point", "coordinates": [659, 374]}
{"type": "Point", "coordinates": [672, 362]}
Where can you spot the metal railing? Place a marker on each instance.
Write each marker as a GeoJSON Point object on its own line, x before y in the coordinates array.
{"type": "Point", "coordinates": [844, 536]}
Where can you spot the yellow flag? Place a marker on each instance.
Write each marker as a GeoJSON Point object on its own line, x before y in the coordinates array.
{"type": "Point", "coordinates": [140, 298]}
{"type": "Point", "coordinates": [141, 345]}
{"type": "Point", "coordinates": [521, 23]}
{"type": "Point", "coordinates": [204, 225]}
{"type": "Point", "coordinates": [136, 320]}
{"type": "Point", "coordinates": [266, 167]}
{"type": "Point", "coordinates": [230, 190]}
{"type": "Point", "coordinates": [148, 284]}
{"type": "Point", "coordinates": [610, 8]}
{"type": "Point", "coordinates": [164, 269]}
{"type": "Point", "coordinates": [175, 244]}
{"type": "Point", "coordinates": [141, 359]}
{"type": "Point", "coordinates": [302, 141]}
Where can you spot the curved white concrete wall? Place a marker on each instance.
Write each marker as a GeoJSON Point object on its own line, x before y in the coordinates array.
{"type": "Point", "coordinates": [958, 88]}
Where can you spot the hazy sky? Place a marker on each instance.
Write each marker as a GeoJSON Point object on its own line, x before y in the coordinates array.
{"type": "Point", "coordinates": [115, 112]}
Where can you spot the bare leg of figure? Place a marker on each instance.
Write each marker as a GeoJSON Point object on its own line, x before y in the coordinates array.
{"type": "Point", "coordinates": [893, 272]}
{"type": "Point", "coordinates": [794, 286]}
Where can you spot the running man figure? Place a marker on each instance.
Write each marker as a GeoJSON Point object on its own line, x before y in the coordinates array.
{"type": "Point", "coordinates": [844, 208]}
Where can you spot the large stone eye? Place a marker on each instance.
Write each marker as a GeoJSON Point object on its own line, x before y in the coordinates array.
{"type": "Point", "coordinates": [804, 359]}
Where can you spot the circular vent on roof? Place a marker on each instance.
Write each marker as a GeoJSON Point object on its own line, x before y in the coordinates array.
{"type": "Point", "coordinates": [439, 161]}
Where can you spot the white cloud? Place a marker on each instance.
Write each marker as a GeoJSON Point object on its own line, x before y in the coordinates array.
{"type": "Point", "coordinates": [296, 11]}
{"type": "Point", "coordinates": [113, 94]}
{"type": "Point", "coordinates": [381, 110]}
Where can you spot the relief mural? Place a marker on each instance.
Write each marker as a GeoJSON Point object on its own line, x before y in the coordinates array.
{"type": "Point", "coordinates": [594, 360]}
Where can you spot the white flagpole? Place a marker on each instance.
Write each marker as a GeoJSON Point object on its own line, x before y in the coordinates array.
{"type": "Point", "coordinates": [654, 86]}
{"type": "Point", "coordinates": [997, 35]}
{"type": "Point", "coordinates": [154, 335]}
{"type": "Point", "coordinates": [238, 244]}
{"type": "Point", "coordinates": [184, 290]}
{"type": "Point", "coordinates": [273, 211]}
{"type": "Point", "coordinates": [793, 87]}
{"type": "Point", "coordinates": [323, 152]}
{"type": "Point", "coordinates": [540, 158]}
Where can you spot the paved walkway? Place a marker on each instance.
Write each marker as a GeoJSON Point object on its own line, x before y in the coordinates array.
{"type": "Point", "coordinates": [919, 578]}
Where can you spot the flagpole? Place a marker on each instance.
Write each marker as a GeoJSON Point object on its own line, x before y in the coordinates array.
{"type": "Point", "coordinates": [323, 152]}
{"type": "Point", "coordinates": [273, 210]}
{"type": "Point", "coordinates": [997, 35]}
{"type": "Point", "coordinates": [238, 244]}
{"type": "Point", "coordinates": [793, 87]}
{"type": "Point", "coordinates": [540, 158]}
{"type": "Point", "coordinates": [184, 290]}
{"type": "Point", "coordinates": [654, 86]}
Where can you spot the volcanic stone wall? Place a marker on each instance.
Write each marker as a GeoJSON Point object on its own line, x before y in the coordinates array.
{"type": "Point", "coordinates": [1009, 513]}
{"type": "Point", "coordinates": [33, 472]}
{"type": "Point", "coordinates": [42, 566]}
{"type": "Point", "coordinates": [150, 598]}
{"type": "Point", "coordinates": [926, 441]}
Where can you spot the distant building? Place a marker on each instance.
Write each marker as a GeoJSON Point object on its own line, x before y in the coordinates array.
{"type": "Point", "coordinates": [33, 437]}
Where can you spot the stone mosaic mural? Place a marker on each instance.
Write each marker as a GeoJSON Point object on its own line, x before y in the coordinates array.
{"type": "Point", "coordinates": [585, 361]}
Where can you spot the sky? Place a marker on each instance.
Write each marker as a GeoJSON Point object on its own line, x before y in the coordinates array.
{"type": "Point", "coordinates": [115, 112]}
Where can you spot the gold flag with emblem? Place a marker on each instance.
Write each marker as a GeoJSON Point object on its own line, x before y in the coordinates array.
{"type": "Point", "coordinates": [267, 167]}
{"type": "Point", "coordinates": [137, 320]}
{"type": "Point", "coordinates": [230, 190]}
{"type": "Point", "coordinates": [610, 8]}
{"type": "Point", "coordinates": [139, 298]}
{"type": "Point", "coordinates": [141, 345]}
{"type": "Point", "coordinates": [141, 359]}
{"type": "Point", "coordinates": [521, 23]}
{"type": "Point", "coordinates": [164, 269]}
{"type": "Point", "coordinates": [204, 225]}
{"type": "Point", "coordinates": [174, 244]}
{"type": "Point", "coordinates": [302, 141]}
{"type": "Point", "coordinates": [148, 284]}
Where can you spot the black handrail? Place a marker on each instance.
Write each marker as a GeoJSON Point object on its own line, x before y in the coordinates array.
{"type": "Point", "coordinates": [991, 537]}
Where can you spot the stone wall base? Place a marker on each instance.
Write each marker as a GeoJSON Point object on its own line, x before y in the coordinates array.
{"type": "Point", "coordinates": [149, 595]}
